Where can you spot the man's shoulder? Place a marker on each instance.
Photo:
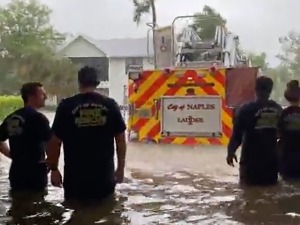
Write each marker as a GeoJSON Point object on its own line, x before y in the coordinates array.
{"type": "Point", "coordinates": [291, 109]}
{"type": "Point", "coordinates": [113, 104]}
{"type": "Point", "coordinates": [41, 116]}
{"type": "Point", "coordinates": [18, 112]}
{"type": "Point", "coordinates": [275, 104]}
{"type": "Point", "coordinates": [96, 97]}
{"type": "Point", "coordinates": [286, 111]}
{"type": "Point", "coordinates": [111, 101]}
{"type": "Point", "coordinates": [245, 109]}
{"type": "Point", "coordinates": [65, 102]}
{"type": "Point", "coordinates": [104, 98]}
{"type": "Point", "coordinates": [107, 101]}
{"type": "Point", "coordinates": [246, 106]}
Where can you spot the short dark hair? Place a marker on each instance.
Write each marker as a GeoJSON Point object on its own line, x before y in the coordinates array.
{"type": "Point", "coordinates": [88, 77]}
{"type": "Point", "coordinates": [264, 86]}
{"type": "Point", "coordinates": [29, 89]}
{"type": "Point", "coordinates": [292, 92]}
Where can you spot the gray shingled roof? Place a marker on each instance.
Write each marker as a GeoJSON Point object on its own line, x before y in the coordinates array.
{"type": "Point", "coordinates": [119, 48]}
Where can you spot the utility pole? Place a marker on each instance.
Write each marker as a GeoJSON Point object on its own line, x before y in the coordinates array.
{"type": "Point", "coordinates": [153, 26]}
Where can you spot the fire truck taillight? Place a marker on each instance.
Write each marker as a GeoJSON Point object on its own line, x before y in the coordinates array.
{"type": "Point", "coordinates": [135, 86]}
{"type": "Point", "coordinates": [212, 70]}
{"type": "Point", "coordinates": [167, 71]}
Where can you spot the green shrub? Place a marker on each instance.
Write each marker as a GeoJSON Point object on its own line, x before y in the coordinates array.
{"type": "Point", "coordinates": [8, 104]}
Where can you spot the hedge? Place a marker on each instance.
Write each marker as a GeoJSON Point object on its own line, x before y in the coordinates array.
{"type": "Point", "coordinates": [8, 104]}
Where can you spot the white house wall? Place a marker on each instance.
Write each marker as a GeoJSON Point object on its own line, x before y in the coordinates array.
{"type": "Point", "coordinates": [118, 79]}
{"type": "Point", "coordinates": [81, 48]}
{"type": "Point", "coordinates": [147, 65]}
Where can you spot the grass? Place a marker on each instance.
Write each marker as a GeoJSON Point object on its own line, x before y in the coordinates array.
{"type": "Point", "coordinates": [8, 104]}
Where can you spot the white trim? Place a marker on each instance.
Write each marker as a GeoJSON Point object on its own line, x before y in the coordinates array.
{"type": "Point", "coordinates": [77, 38]}
{"type": "Point", "coordinates": [104, 84]}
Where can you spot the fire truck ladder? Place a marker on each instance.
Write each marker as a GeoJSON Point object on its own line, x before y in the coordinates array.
{"type": "Point", "coordinates": [193, 52]}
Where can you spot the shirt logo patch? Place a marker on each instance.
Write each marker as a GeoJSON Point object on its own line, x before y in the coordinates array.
{"type": "Point", "coordinates": [15, 125]}
{"type": "Point", "coordinates": [90, 115]}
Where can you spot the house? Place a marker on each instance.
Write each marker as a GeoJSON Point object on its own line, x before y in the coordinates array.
{"type": "Point", "coordinates": [112, 58]}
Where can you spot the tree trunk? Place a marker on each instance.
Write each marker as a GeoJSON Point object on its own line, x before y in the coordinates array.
{"type": "Point", "coordinates": [154, 22]}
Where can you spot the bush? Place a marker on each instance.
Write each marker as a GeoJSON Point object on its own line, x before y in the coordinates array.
{"type": "Point", "coordinates": [8, 104]}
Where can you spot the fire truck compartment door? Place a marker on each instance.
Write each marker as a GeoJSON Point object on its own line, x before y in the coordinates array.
{"type": "Point", "coordinates": [191, 116]}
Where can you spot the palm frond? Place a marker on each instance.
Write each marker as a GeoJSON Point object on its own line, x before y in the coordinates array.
{"type": "Point", "coordinates": [140, 8]}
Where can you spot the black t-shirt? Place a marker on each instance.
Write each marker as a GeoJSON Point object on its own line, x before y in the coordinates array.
{"type": "Point", "coordinates": [257, 125]}
{"type": "Point", "coordinates": [86, 124]}
{"type": "Point", "coordinates": [289, 130]}
{"type": "Point", "coordinates": [27, 131]}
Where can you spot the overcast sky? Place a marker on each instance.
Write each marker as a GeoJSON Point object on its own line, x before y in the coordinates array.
{"type": "Point", "coordinates": [259, 23]}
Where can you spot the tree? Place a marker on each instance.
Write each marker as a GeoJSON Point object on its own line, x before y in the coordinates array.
{"type": "Point", "coordinates": [290, 53]}
{"type": "Point", "coordinates": [259, 60]}
{"type": "Point", "coordinates": [57, 81]}
{"type": "Point", "coordinates": [50, 69]}
{"type": "Point", "coordinates": [206, 22]}
{"type": "Point", "coordinates": [289, 67]}
{"type": "Point", "coordinates": [28, 42]}
{"type": "Point", "coordinates": [25, 25]}
{"type": "Point", "coordinates": [280, 76]}
{"type": "Point", "coordinates": [142, 7]}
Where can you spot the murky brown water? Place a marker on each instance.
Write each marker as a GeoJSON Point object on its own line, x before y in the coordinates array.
{"type": "Point", "coordinates": [166, 185]}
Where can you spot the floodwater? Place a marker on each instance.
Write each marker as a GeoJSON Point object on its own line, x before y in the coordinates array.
{"type": "Point", "coordinates": [165, 185]}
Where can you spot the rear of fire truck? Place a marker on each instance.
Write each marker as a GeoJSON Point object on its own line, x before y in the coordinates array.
{"type": "Point", "coordinates": [192, 101]}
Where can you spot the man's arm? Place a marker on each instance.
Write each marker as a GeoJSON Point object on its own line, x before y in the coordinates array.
{"type": "Point", "coordinates": [121, 150]}
{"type": "Point", "coordinates": [43, 128]}
{"type": "Point", "coordinates": [280, 123]}
{"type": "Point", "coordinates": [237, 132]}
{"type": "Point", "coordinates": [4, 149]}
{"type": "Point", "coordinates": [119, 128]}
{"type": "Point", "coordinates": [54, 145]}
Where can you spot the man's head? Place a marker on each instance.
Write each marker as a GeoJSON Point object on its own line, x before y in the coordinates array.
{"type": "Point", "coordinates": [292, 92]}
{"type": "Point", "coordinates": [263, 87]}
{"type": "Point", "coordinates": [88, 77]}
{"type": "Point", "coordinates": [33, 94]}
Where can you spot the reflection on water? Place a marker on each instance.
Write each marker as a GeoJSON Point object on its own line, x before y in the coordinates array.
{"type": "Point", "coordinates": [175, 197]}
{"type": "Point", "coordinates": [164, 185]}
{"type": "Point", "coordinates": [158, 196]}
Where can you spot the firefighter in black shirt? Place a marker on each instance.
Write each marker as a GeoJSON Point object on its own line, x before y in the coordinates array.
{"type": "Point", "coordinates": [255, 128]}
{"type": "Point", "coordinates": [27, 131]}
{"type": "Point", "coordinates": [88, 125]}
{"type": "Point", "coordinates": [289, 132]}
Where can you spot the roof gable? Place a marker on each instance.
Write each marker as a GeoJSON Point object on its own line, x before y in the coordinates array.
{"type": "Point", "coordinates": [81, 47]}
{"type": "Point", "coordinates": [118, 48]}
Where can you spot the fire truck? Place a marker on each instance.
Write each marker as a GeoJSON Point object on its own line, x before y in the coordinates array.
{"type": "Point", "coordinates": [190, 96]}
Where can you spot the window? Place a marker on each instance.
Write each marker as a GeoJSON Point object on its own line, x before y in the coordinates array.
{"type": "Point", "coordinates": [133, 61]}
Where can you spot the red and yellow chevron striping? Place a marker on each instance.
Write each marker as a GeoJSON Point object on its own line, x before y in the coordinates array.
{"type": "Point", "coordinates": [145, 93]}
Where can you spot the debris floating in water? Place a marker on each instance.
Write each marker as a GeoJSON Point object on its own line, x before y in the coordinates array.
{"type": "Point", "coordinates": [292, 214]}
